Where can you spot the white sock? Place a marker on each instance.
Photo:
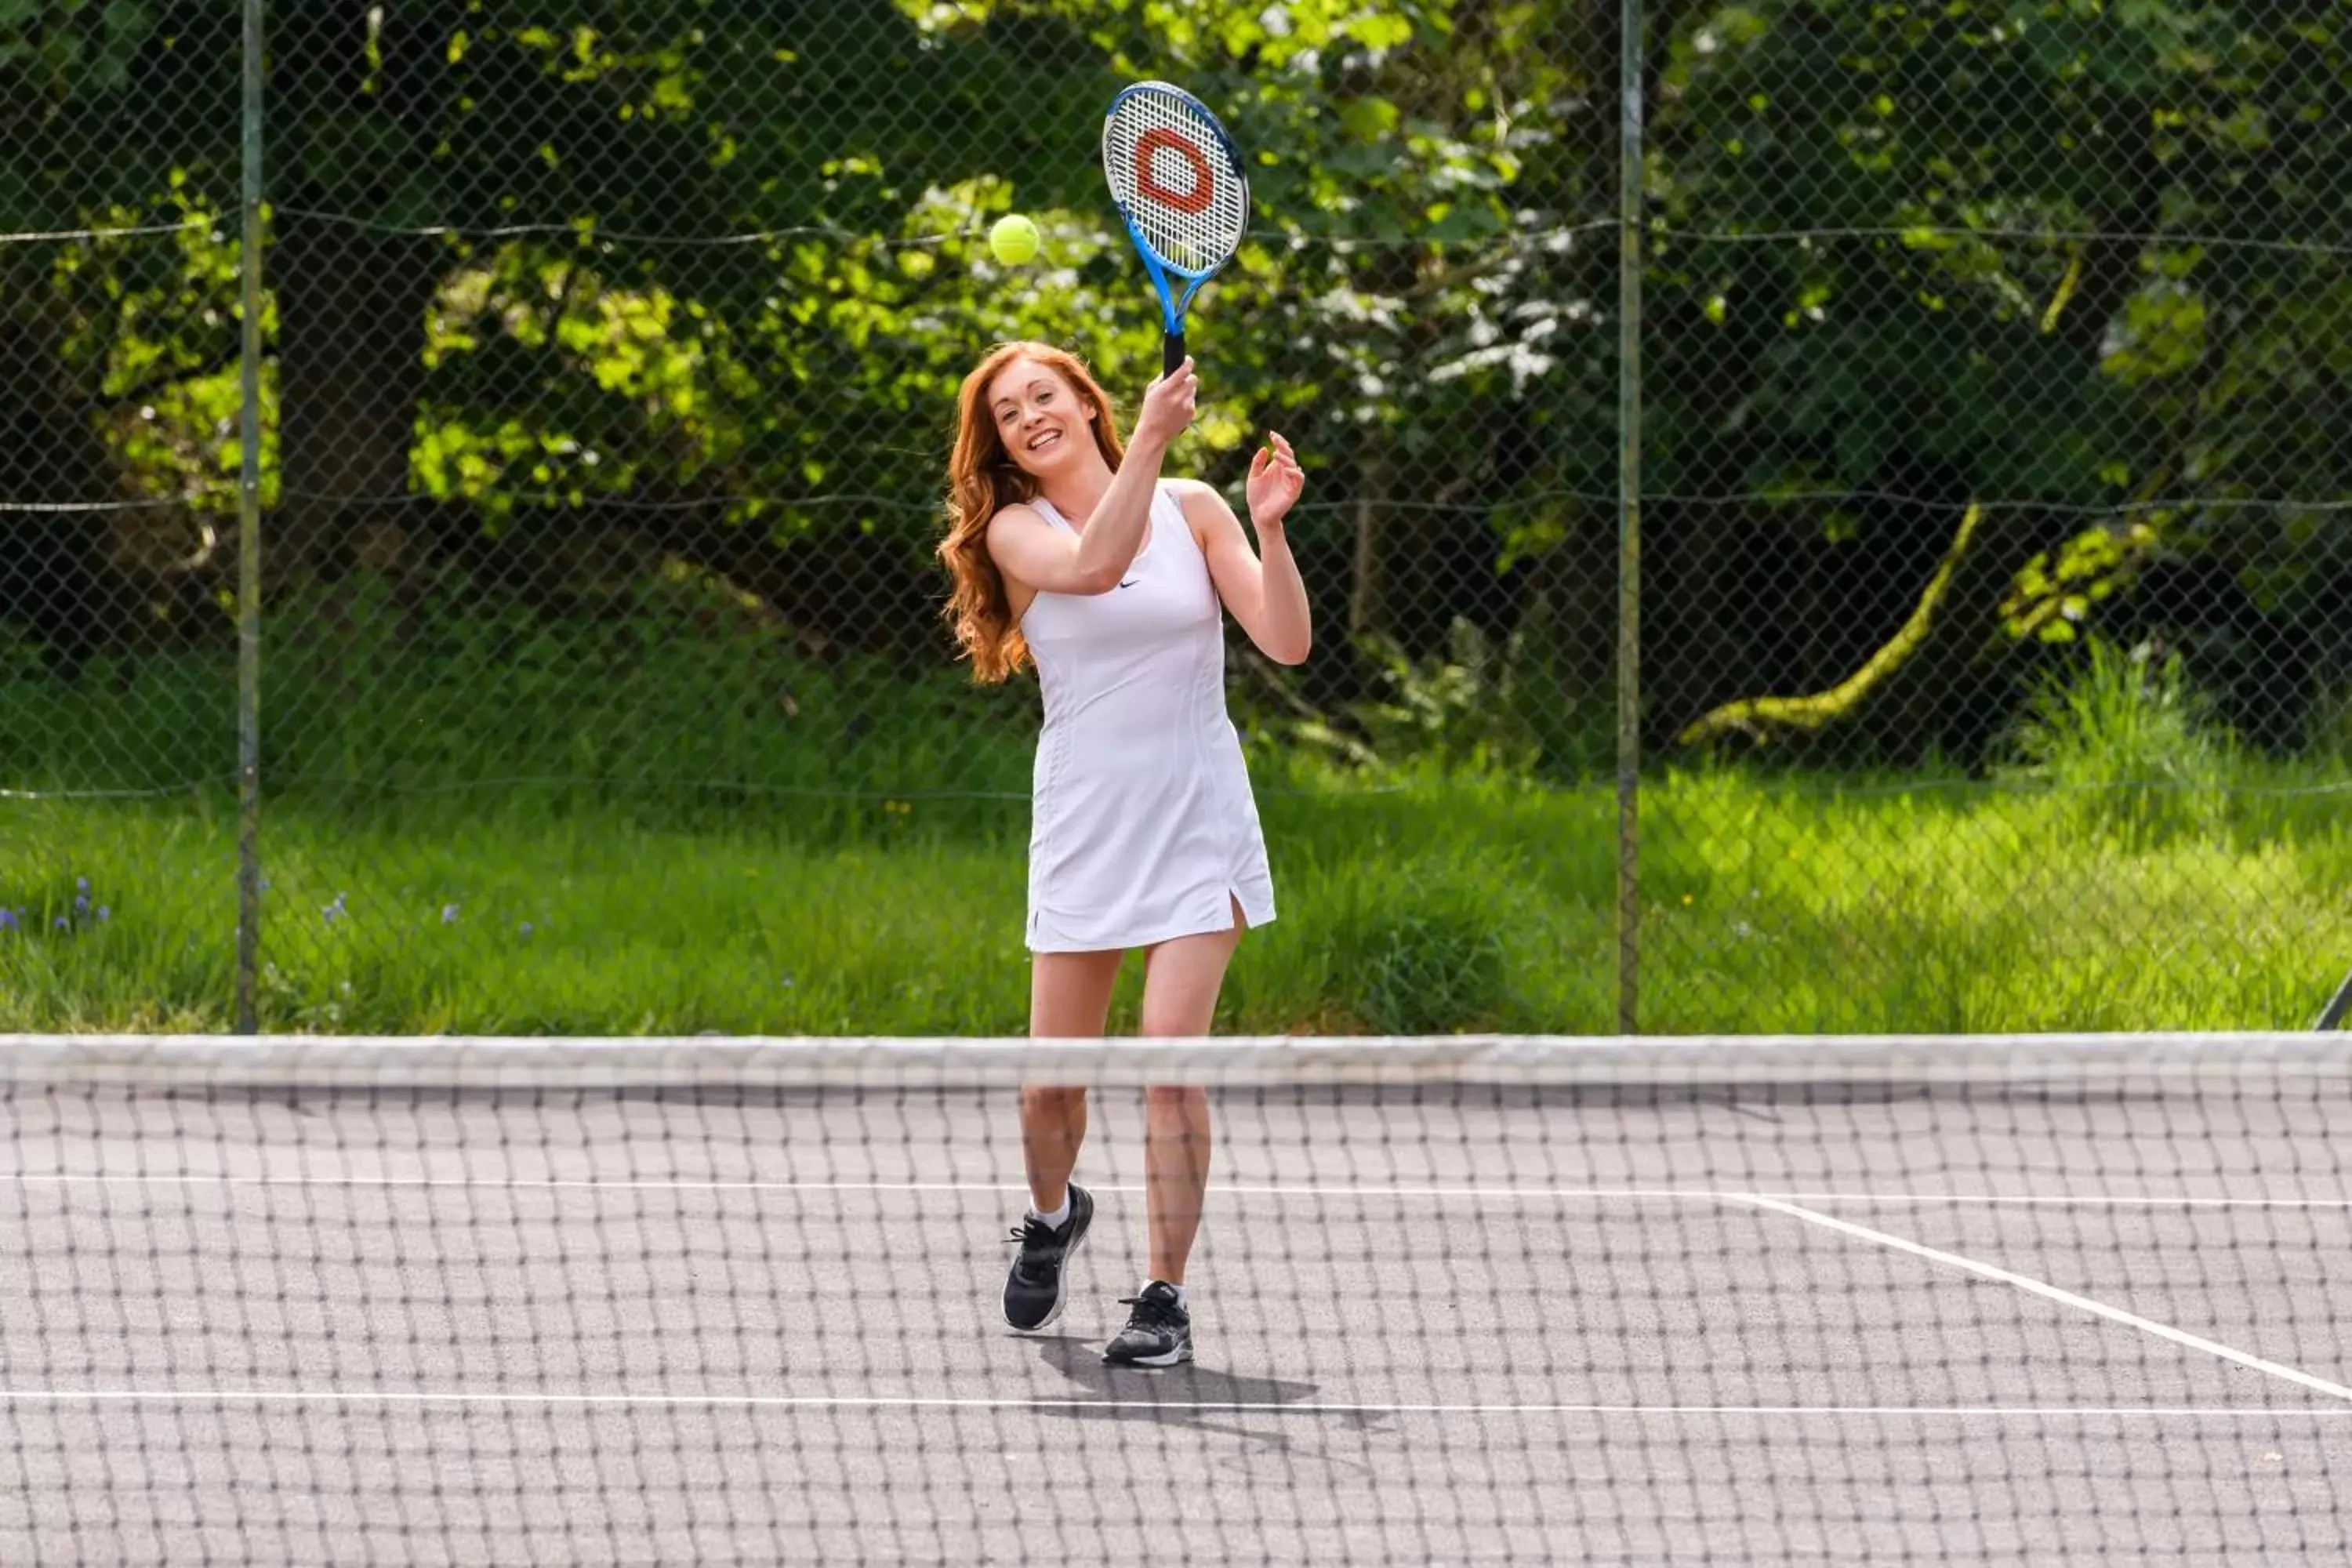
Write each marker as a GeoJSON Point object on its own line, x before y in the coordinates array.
{"type": "Point", "coordinates": [1183, 1296]}
{"type": "Point", "coordinates": [1060, 1217]}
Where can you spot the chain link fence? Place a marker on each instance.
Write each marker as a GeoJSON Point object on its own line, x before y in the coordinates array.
{"type": "Point", "coordinates": [1991, 413]}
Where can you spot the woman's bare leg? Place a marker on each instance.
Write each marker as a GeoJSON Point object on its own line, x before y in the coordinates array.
{"type": "Point", "coordinates": [1069, 998]}
{"type": "Point", "coordinates": [1181, 979]}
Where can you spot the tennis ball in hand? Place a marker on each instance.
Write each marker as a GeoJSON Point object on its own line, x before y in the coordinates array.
{"type": "Point", "coordinates": [1013, 239]}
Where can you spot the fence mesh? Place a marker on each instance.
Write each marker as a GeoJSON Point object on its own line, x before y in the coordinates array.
{"type": "Point", "coordinates": [1997, 505]}
{"type": "Point", "coordinates": [1996, 561]}
{"type": "Point", "coordinates": [118, 259]}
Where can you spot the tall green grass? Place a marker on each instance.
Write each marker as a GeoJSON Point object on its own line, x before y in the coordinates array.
{"type": "Point", "coordinates": [1442, 905]}
{"type": "Point", "coordinates": [673, 841]}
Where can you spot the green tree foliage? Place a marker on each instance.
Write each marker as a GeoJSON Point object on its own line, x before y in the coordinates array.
{"type": "Point", "coordinates": [2076, 260]}
{"type": "Point", "coordinates": [565, 290]}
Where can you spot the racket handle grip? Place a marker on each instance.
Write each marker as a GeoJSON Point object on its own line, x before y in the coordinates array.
{"type": "Point", "coordinates": [1172, 352]}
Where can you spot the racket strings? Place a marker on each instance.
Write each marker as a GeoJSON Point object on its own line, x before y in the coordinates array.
{"type": "Point", "coordinates": [1169, 168]}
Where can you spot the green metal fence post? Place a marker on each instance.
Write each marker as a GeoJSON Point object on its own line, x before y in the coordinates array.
{"type": "Point", "coordinates": [248, 548]}
{"type": "Point", "coordinates": [1629, 519]}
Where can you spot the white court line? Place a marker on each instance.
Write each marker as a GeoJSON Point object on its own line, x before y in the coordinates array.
{"type": "Point", "coordinates": [1267, 1407]}
{"type": "Point", "coordinates": [1245, 1189]}
{"type": "Point", "coordinates": [2051, 1292]}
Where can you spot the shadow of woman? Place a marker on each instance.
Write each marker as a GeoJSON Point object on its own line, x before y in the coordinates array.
{"type": "Point", "coordinates": [1192, 1396]}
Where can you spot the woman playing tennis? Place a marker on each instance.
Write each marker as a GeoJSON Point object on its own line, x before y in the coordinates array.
{"type": "Point", "coordinates": [1069, 550]}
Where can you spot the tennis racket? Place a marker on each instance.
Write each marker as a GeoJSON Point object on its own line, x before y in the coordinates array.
{"type": "Point", "coordinates": [1177, 179]}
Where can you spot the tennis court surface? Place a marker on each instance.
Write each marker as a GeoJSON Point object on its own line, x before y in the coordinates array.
{"type": "Point", "coordinates": [1965, 1300]}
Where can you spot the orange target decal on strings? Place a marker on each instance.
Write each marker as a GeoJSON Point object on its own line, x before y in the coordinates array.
{"type": "Point", "coordinates": [1146, 180]}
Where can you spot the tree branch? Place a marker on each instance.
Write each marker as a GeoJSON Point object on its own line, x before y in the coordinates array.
{"type": "Point", "coordinates": [1764, 720]}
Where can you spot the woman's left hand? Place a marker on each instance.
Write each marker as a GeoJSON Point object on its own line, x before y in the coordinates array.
{"type": "Point", "coordinates": [1276, 481]}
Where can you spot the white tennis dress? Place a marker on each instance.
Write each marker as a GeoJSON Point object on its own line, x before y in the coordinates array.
{"type": "Point", "coordinates": [1143, 827]}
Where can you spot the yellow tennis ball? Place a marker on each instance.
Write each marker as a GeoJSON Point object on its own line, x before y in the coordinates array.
{"type": "Point", "coordinates": [1013, 239]}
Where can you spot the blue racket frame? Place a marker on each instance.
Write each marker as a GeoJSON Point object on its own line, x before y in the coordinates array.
{"type": "Point", "coordinates": [1173, 305]}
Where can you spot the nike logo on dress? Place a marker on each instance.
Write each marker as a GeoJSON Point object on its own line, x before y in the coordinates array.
{"type": "Point", "coordinates": [1130, 582]}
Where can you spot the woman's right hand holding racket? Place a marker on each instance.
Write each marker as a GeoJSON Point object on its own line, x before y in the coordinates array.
{"type": "Point", "coordinates": [1168, 405]}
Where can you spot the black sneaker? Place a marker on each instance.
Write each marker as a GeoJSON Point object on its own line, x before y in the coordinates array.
{"type": "Point", "coordinates": [1033, 1290]}
{"type": "Point", "coordinates": [1158, 1333]}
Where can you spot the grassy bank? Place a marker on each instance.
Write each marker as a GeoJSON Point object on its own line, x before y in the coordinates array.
{"type": "Point", "coordinates": [1434, 904]}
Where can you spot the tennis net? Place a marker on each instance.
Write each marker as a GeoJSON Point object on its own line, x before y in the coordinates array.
{"type": "Point", "coordinates": [1964, 1300]}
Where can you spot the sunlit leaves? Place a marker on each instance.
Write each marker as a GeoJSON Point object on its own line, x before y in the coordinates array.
{"type": "Point", "coordinates": [2056, 591]}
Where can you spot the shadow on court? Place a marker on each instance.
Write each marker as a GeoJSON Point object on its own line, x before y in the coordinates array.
{"type": "Point", "coordinates": [1192, 1396]}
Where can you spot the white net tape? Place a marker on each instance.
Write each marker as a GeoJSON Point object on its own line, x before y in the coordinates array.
{"type": "Point", "coordinates": [169, 1062]}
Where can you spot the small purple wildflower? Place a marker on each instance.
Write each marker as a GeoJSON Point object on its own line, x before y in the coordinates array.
{"type": "Point", "coordinates": [335, 911]}
{"type": "Point", "coordinates": [8, 919]}
{"type": "Point", "coordinates": [104, 914]}
{"type": "Point", "coordinates": [448, 914]}
{"type": "Point", "coordinates": [525, 928]}
{"type": "Point", "coordinates": [61, 923]}
{"type": "Point", "coordinates": [81, 903]}
{"type": "Point", "coordinates": [82, 884]}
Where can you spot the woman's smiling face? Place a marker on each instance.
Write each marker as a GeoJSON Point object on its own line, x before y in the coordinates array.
{"type": "Point", "coordinates": [1041, 419]}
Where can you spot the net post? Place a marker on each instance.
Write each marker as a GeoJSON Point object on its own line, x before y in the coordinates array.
{"type": "Point", "coordinates": [2332, 1015]}
{"type": "Point", "coordinates": [248, 544]}
{"type": "Point", "coordinates": [1629, 517]}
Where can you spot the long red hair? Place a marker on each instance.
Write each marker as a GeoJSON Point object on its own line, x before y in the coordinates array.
{"type": "Point", "coordinates": [983, 480]}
